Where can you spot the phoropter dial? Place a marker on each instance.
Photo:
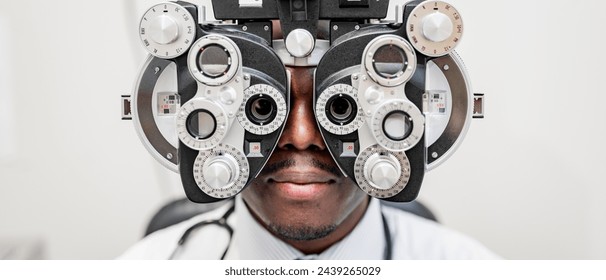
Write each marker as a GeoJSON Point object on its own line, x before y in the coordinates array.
{"type": "Point", "coordinates": [337, 109]}
{"type": "Point", "coordinates": [263, 110]}
{"type": "Point", "coordinates": [167, 30]}
{"type": "Point", "coordinates": [221, 172]}
{"type": "Point", "coordinates": [434, 28]}
{"type": "Point", "coordinates": [397, 125]}
{"type": "Point", "coordinates": [382, 173]}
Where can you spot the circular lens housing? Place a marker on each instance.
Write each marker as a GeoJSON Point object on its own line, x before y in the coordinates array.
{"type": "Point", "coordinates": [264, 110]}
{"type": "Point", "coordinates": [201, 124]}
{"type": "Point", "coordinates": [341, 109]}
{"type": "Point", "coordinates": [397, 125]}
{"type": "Point", "coordinates": [261, 109]}
{"type": "Point", "coordinates": [389, 61]}
{"type": "Point", "coordinates": [214, 61]}
{"type": "Point", "coordinates": [337, 109]}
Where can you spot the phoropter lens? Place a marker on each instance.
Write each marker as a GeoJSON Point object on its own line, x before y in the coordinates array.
{"type": "Point", "coordinates": [341, 109]}
{"type": "Point", "coordinates": [389, 61]}
{"type": "Point", "coordinates": [214, 61]}
{"type": "Point", "coordinates": [261, 109]}
{"type": "Point", "coordinates": [397, 125]}
{"type": "Point", "coordinates": [201, 124]}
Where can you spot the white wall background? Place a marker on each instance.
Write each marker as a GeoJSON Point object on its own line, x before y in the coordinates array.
{"type": "Point", "coordinates": [527, 181]}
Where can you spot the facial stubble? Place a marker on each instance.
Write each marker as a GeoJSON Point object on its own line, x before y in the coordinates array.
{"type": "Point", "coordinates": [301, 232]}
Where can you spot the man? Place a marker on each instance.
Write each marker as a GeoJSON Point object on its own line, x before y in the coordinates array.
{"type": "Point", "coordinates": [302, 207]}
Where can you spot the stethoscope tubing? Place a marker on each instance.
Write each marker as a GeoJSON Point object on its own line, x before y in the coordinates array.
{"type": "Point", "coordinates": [222, 222]}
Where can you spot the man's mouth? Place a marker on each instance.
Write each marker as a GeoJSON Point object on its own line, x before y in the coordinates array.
{"type": "Point", "coordinates": [298, 185]}
{"type": "Point", "coordinates": [301, 177]}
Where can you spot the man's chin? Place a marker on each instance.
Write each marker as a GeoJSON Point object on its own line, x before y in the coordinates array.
{"type": "Point", "coordinates": [301, 232]}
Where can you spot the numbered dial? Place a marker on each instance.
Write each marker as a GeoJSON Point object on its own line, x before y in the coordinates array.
{"type": "Point", "coordinates": [382, 173]}
{"type": "Point", "coordinates": [434, 28]}
{"type": "Point", "coordinates": [263, 110]}
{"type": "Point", "coordinates": [167, 30]}
{"type": "Point", "coordinates": [201, 124]}
{"type": "Point", "coordinates": [397, 125]}
{"type": "Point", "coordinates": [337, 109]}
{"type": "Point", "coordinates": [221, 172]}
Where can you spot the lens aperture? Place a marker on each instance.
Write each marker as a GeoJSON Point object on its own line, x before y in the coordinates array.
{"type": "Point", "coordinates": [389, 61]}
{"type": "Point", "coordinates": [341, 109]}
{"type": "Point", "coordinates": [261, 109]}
{"type": "Point", "coordinates": [214, 61]}
{"type": "Point", "coordinates": [201, 124]}
{"type": "Point", "coordinates": [397, 125]}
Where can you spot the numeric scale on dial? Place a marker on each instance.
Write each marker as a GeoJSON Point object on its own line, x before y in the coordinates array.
{"type": "Point", "coordinates": [221, 172]}
{"type": "Point", "coordinates": [434, 28]}
{"type": "Point", "coordinates": [167, 30]}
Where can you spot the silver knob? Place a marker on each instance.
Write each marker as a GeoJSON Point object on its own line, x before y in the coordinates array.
{"type": "Point", "coordinates": [299, 43]}
{"type": "Point", "coordinates": [164, 30]}
{"type": "Point", "coordinates": [228, 95]}
{"type": "Point", "coordinates": [220, 172]}
{"type": "Point", "coordinates": [382, 171]}
{"type": "Point", "coordinates": [437, 27]}
{"type": "Point", "coordinates": [373, 95]}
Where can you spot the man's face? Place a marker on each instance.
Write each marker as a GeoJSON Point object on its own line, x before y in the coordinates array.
{"type": "Point", "coordinates": [301, 194]}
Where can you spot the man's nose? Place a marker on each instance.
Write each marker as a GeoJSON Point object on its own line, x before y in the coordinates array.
{"type": "Point", "coordinates": [301, 131]}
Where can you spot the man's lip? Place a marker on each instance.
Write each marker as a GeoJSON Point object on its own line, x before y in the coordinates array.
{"type": "Point", "coordinates": [301, 192]}
{"type": "Point", "coordinates": [301, 178]}
{"type": "Point", "coordinates": [302, 184]}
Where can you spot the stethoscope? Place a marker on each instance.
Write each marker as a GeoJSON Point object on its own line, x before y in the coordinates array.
{"type": "Point", "coordinates": [222, 222]}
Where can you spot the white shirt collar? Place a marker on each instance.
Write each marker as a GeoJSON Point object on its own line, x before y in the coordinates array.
{"type": "Point", "coordinates": [253, 241]}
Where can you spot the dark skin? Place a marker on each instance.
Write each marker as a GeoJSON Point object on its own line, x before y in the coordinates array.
{"type": "Point", "coordinates": [301, 196]}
